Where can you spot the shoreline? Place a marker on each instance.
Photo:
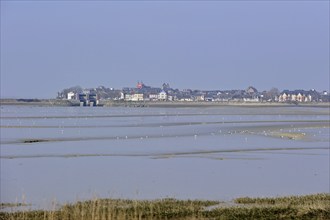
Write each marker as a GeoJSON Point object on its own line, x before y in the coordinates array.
{"type": "Point", "coordinates": [157, 104]}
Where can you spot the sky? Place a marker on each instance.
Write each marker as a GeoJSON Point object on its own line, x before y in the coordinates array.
{"type": "Point", "coordinates": [51, 45]}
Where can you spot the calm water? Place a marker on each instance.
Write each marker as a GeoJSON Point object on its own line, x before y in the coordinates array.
{"type": "Point", "coordinates": [68, 154]}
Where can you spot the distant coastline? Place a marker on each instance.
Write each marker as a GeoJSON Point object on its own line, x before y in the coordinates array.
{"type": "Point", "coordinates": [38, 102]}
{"type": "Point", "coordinates": [161, 104]}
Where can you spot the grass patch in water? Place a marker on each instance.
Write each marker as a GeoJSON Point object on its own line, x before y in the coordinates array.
{"type": "Point", "coordinates": [293, 207]}
{"type": "Point", "coordinates": [289, 135]}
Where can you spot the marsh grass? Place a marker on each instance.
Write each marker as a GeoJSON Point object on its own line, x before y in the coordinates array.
{"type": "Point", "coordinates": [294, 207]}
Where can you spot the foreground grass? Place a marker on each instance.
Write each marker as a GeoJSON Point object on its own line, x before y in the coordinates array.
{"type": "Point", "coordinates": [294, 207]}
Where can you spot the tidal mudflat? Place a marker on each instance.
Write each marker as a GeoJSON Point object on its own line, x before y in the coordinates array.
{"type": "Point", "coordinates": [69, 154]}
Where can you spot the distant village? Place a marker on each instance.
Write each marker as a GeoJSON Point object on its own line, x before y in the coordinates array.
{"type": "Point", "coordinates": [145, 93]}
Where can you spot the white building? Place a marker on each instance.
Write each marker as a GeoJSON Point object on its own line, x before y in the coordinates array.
{"type": "Point", "coordinates": [199, 98]}
{"type": "Point", "coordinates": [162, 96]}
{"type": "Point", "coordinates": [71, 95]}
{"type": "Point", "coordinates": [122, 96]}
{"type": "Point", "coordinates": [134, 97]}
{"type": "Point", "coordinates": [153, 97]}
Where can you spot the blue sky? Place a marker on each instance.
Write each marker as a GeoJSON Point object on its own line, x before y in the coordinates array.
{"type": "Point", "coordinates": [48, 46]}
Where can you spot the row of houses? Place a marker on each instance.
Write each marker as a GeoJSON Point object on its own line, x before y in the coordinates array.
{"type": "Point", "coordinates": [304, 96]}
{"type": "Point", "coordinates": [294, 97]}
{"type": "Point", "coordinates": [146, 93]}
{"type": "Point", "coordinates": [166, 93]}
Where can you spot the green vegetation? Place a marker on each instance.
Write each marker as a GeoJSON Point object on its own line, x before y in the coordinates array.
{"type": "Point", "coordinates": [294, 207]}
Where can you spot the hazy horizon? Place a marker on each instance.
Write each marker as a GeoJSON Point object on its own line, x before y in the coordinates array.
{"type": "Point", "coordinates": [49, 46]}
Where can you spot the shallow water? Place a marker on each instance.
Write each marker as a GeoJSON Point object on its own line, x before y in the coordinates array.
{"type": "Point", "coordinates": [72, 153]}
